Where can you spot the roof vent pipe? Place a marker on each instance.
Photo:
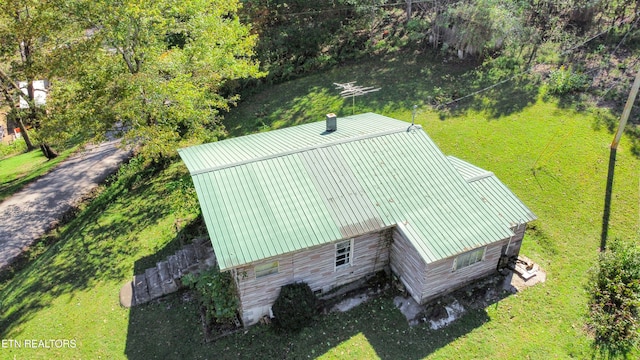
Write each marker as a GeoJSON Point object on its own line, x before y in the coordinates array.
{"type": "Point", "coordinates": [332, 122]}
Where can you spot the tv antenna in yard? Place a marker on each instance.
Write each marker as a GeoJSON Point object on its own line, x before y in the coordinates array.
{"type": "Point", "coordinates": [413, 115]}
{"type": "Point", "coordinates": [349, 90]}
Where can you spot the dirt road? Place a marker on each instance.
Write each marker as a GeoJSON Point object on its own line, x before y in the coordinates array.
{"type": "Point", "coordinates": [29, 213]}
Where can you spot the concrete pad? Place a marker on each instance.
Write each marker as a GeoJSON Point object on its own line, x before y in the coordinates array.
{"type": "Point", "coordinates": [454, 312]}
{"type": "Point", "coordinates": [409, 308]}
{"type": "Point", "coordinates": [350, 303]}
{"type": "Point", "coordinates": [535, 276]}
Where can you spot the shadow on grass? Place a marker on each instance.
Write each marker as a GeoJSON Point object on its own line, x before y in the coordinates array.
{"type": "Point", "coordinates": [502, 100]}
{"type": "Point", "coordinates": [170, 328]}
{"type": "Point", "coordinates": [186, 232]}
{"type": "Point", "coordinates": [96, 246]}
{"type": "Point", "coordinates": [422, 80]}
{"type": "Point", "coordinates": [606, 213]}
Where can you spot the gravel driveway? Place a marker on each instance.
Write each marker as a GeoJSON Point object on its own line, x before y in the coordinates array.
{"type": "Point", "coordinates": [29, 213]}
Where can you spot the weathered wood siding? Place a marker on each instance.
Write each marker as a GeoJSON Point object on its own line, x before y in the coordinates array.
{"type": "Point", "coordinates": [441, 279]}
{"type": "Point", "coordinates": [516, 241]}
{"type": "Point", "coordinates": [315, 266]}
{"type": "Point", "coordinates": [407, 264]}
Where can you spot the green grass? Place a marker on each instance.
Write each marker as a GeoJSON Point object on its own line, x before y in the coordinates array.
{"type": "Point", "coordinates": [19, 170]}
{"type": "Point", "coordinates": [554, 158]}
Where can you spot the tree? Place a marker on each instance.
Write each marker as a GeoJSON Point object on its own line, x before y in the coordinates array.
{"type": "Point", "coordinates": [29, 31]}
{"type": "Point", "coordinates": [614, 303]}
{"type": "Point", "coordinates": [478, 26]}
{"type": "Point", "coordinates": [155, 69]}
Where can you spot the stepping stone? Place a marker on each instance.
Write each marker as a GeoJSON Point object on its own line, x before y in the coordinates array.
{"type": "Point", "coordinates": [153, 283]}
{"type": "Point", "coordinates": [166, 280]}
{"type": "Point", "coordinates": [140, 290]}
{"type": "Point", "coordinates": [126, 295]}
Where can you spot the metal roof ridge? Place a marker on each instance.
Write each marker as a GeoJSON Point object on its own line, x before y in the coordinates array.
{"type": "Point", "coordinates": [307, 148]}
{"type": "Point", "coordinates": [487, 174]}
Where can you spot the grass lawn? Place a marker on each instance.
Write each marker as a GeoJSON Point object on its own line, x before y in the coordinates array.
{"type": "Point", "coordinates": [554, 158]}
{"type": "Point", "coordinates": [19, 170]}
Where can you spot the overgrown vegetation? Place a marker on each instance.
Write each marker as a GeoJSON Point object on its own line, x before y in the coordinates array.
{"type": "Point", "coordinates": [16, 147]}
{"type": "Point", "coordinates": [295, 307]}
{"type": "Point", "coordinates": [564, 81]}
{"type": "Point", "coordinates": [614, 303]}
{"type": "Point", "coordinates": [216, 293]}
{"type": "Point", "coordinates": [298, 37]}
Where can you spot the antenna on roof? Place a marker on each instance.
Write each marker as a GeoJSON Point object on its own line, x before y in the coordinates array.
{"type": "Point", "coordinates": [413, 115]}
{"type": "Point", "coordinates": [349, 90]}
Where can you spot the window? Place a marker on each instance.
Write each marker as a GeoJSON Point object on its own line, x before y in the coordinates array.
{"type": "Point", "coordinates": [469, 258]}
{"type": "Point", "coordinates": [266, 269]}
{"type": "Point", "coordinates": [343, 253]}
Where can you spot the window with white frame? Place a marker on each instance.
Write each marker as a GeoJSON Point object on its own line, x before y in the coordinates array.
{"type": "Point", "coordinates": [469, 258]}
{"type": "Point", "coordinates": [344, 253]}
{"type": "Point", "coordinates": [266, 269]}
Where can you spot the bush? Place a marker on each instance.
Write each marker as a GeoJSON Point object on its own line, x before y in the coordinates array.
{"type": "Point", "coordinates": [614, 304]}
{"type": "Point", "coordinates": [564, 81]}
{"type": "Point", "coordinates": [295, 307]}
{"type": "Point", "coordinates": [216, 293]}
{"type": "Point", "coordinates": [16, 147]}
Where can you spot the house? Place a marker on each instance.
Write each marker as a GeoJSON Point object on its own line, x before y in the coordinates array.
{"type": "Point", "coordinates": [40, 91]}
{"type": "Point", "coordinates": [330, 202]}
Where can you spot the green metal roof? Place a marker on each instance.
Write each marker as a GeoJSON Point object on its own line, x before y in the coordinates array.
{"type": "Point", "coordinates": [493, 192]}
{"type": "Point", "coordinates": [271, 193]}
{"type": "Point", "coordinates": [260, 146]}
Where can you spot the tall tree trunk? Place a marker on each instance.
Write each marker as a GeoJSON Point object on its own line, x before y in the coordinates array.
{"type": "Point", "coordinates": [534, 51]}
{"type": "Point", "coordinates": [7, 89]}
{"type": "Point", "coordinates": [25, 134]}
{"type": "Point", "coordinates": [409, 3]}
{"type": "Point", "coordinates": [33, 115]}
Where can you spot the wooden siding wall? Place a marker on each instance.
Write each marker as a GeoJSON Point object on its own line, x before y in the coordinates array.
{"type": "Point", "coordinates": [440, 279]}
{"type": "Point", "coordinates": [407, 264]}
{"type": "Point", "coordinates": [315, 266]}
{"type": "Point", "coordinates": [516, 241]}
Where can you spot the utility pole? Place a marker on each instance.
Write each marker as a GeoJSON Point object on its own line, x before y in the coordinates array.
{"type": "Point", "coordinates": [627, 110]}
{"type": "Point", "coordinates": [612, 162]}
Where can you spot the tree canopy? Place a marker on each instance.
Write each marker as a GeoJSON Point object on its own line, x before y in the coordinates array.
{"type": "Point", "coordinates": [154, 70]}
{"type": "Point", "coordinates": [29, 32]}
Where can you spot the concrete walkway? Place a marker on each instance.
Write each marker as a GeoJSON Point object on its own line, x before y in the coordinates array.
{"type": "Point", "coordinates": [30, 213]}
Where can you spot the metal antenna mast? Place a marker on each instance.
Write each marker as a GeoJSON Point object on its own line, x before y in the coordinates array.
{"type": "Point", "coordinates": [413, 115]}
{"type": "Point", "coordinates": [349, 90]}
